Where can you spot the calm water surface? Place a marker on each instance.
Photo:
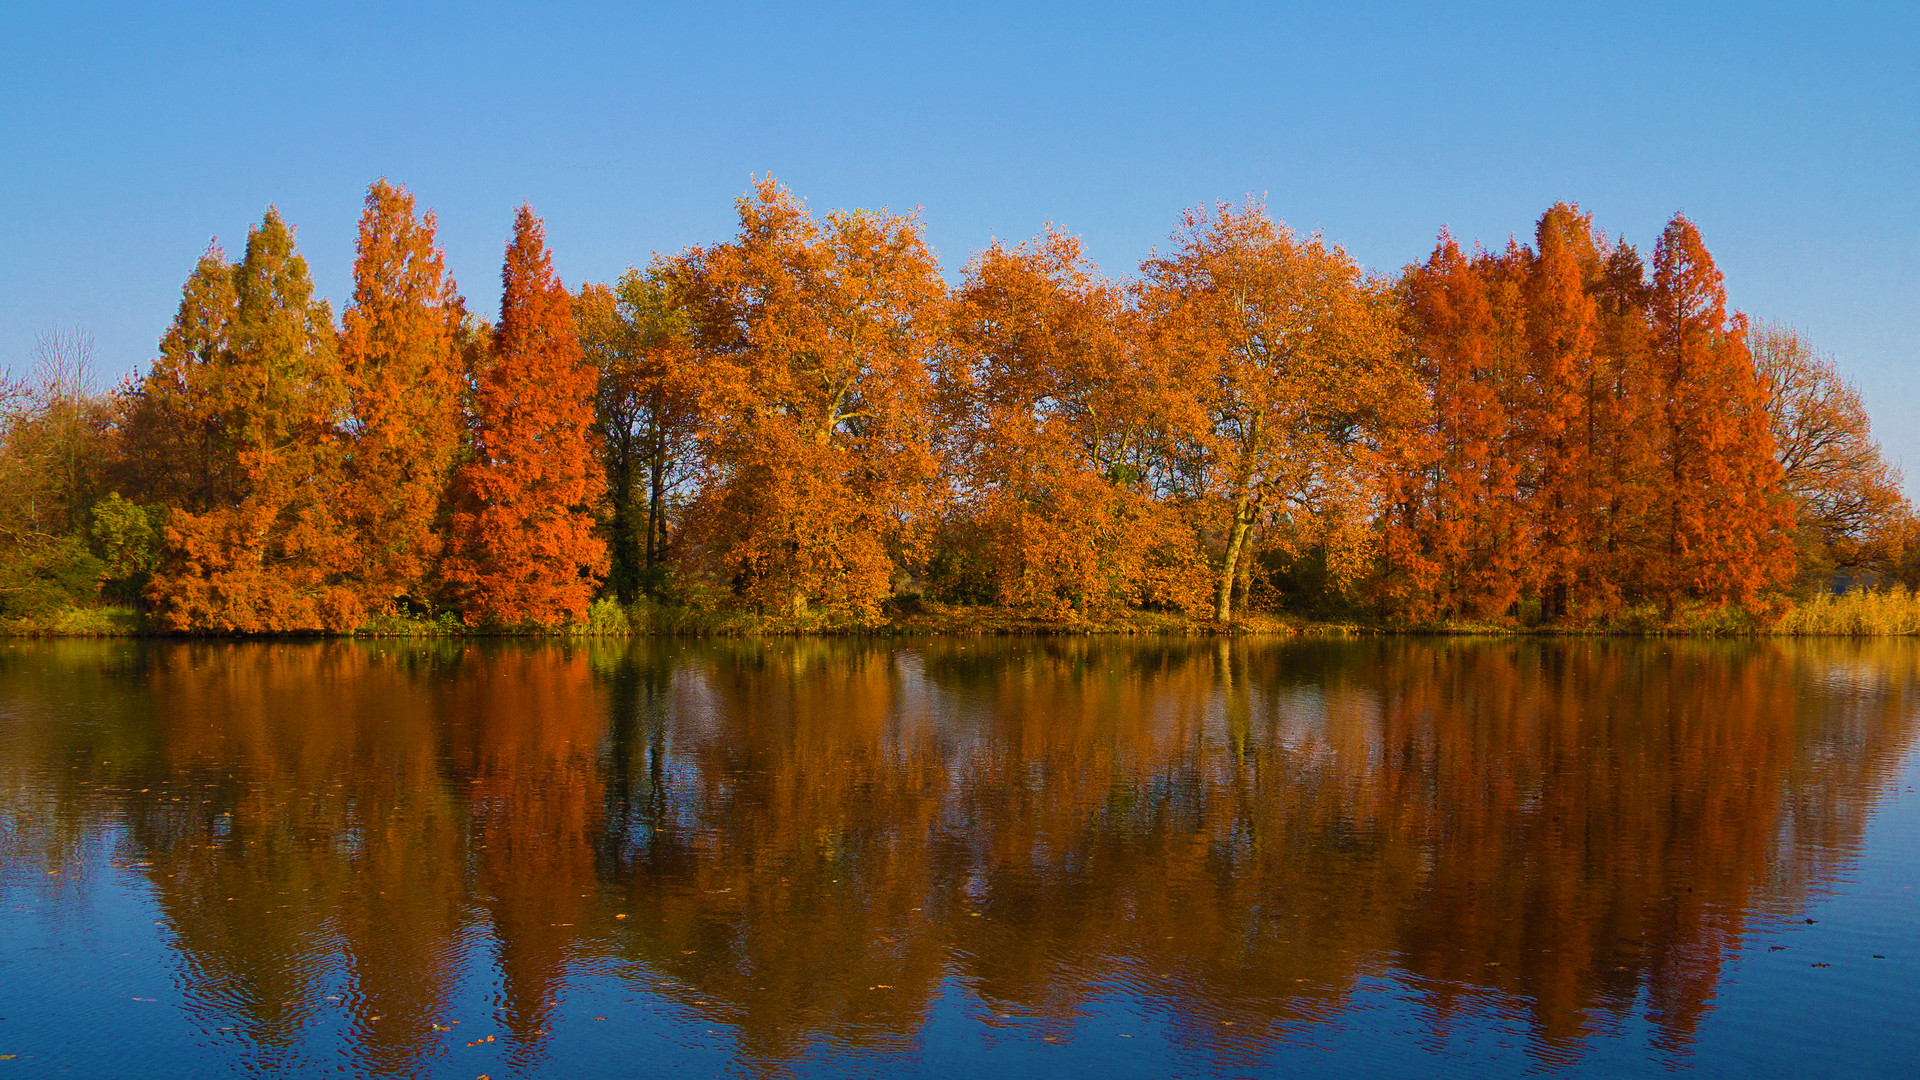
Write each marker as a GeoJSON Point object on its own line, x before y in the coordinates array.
{"type": "Point", "coordinates": [1398, 858]}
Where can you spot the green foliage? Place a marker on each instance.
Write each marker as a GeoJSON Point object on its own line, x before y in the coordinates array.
{"type": "Point", "coordinates": [58, 573]}
{"type": "Point", "coordinates": [606, 618]}
{"type": "Point", "coordinates": [127, 540]}
{"type": "Point", "coordinates": [395, 622]}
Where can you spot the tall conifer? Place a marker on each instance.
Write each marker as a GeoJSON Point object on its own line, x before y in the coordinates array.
{"type": "Point", "coordinates": [256, 386]}
{"type": "Point", "coordinates": [1560, 330]}
{"type": "Point", "coordinates": [523, 548]}
{"type": "Point", "coordinates": [403, 372]}
{"type": "Point", "coordinates": [1726, 521]}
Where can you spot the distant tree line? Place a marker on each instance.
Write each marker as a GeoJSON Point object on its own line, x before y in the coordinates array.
{"type": "Point", "coordinates": [807, 423]}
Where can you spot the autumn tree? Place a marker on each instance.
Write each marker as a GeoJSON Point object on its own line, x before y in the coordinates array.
{"type": "Point", "coordinates": [522, 549]}
{"type": "Point", "coordinates": [638, 335]}
{"type": "Point", "coordinates": [1625, 415]}
{"type": "Point", "coordinates": [1847, 498]}
{"type": "Point", "coordinates": [248, 403]}
{"type": "Point", "coordinates": [1290, 359]}
{"type": "Point", "coordinates": [1726, 523]}
{"type": "Point", "coordinates": [1560, 328]}
{"type": "Point", "coordinates": [813, 338]}
{"type": "Point", "coordinates": [177, 445]}
{"type": "Point", "coordinates": [402, 367]}
{"type": "Point", "coordinates": [1057, 419]}
{"type": "Point", "coordinates": [1455, 539]}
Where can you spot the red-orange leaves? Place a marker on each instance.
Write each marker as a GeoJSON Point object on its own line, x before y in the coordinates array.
{"type": "Point", "coordinates": [403, 372]}
{"type": "Point", "coordinates": [1726, 521]}
{"type": "Point", "coordinates": [1455, 536]}
{"type": "Point", "coordinates": [522, 549]}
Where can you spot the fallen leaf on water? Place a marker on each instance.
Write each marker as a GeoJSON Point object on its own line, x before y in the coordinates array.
{"type": "Point", "coordinates": [1823, 965]}
{"type": "Point", "coordinates": [599, 1018]}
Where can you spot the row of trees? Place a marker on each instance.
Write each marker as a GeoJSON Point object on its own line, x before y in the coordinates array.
{"type": "Point", "coordinates": [807, 421]}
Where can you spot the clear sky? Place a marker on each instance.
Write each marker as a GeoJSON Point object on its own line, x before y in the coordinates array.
{"type": "Point", "coordinates": [131, 134]}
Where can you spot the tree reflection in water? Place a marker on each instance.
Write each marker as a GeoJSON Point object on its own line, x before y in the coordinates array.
{"type": "Point", "coordinates": [808, 840]}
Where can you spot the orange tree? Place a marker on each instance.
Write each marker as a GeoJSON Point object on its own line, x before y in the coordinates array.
{"type": "Point", "coordinates": [404, 375]}
{"type": "Point", "coordinates": [1723, 518]}
{"type": "Point", "coordinates": [1057, 421]}
{"type": "Point", "coordinates": [1850, 511]}
{"type": "Point", "coordinates": [638, 335]}
{"type": "Point", "coordinates": [812, 342]}
{"type": "Point", "coordinates": [1454, 536]}
{"type": "Point", "coordinates": [242, 416]}
{"type": "Point", "coordinates": [1290, 365]}
{"type": "Point", "coordinates": [522, 549]}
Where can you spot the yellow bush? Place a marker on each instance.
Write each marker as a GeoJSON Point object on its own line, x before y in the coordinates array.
{"type": "Point", "coordinates": [1858, 613]}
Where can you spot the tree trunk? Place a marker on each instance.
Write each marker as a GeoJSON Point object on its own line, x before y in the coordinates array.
{"type": "Point", "coordinates": [1243, 514]}
{"type": "Point", "coordinates": [656, 496]}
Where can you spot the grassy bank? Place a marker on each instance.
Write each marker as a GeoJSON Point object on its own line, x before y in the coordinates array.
{"type": "Point", "coordinates": [1861, 613]}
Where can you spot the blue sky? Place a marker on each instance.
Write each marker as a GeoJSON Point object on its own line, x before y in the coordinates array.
{"type": "Point", "coordinates": [131, 134]}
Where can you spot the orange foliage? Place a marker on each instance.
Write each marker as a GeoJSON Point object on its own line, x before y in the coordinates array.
{"type": "Point", "coordinates": [1598, 439]}
{"type": "Point", "coordinates": [1289, 364]}
{"type": "Point", "coordinates": [1726, 521]}
{"type": "Point", "coordinates": [1455, 539]}
{"type": "Point", "coordinates": [523, 549]}
{"type": "Point", "coordinates": [1057, 417]}
{"type": "Point", "coordinates": [403, 372]}
{"type": "Point", "coordinates": [1851, 509]}
{"type": "Point", "coordinates": [779, 422]}
{"type": "Point", "coordinates": [813, 339]}
{"type": "Point", "coordinates": [250, 374]}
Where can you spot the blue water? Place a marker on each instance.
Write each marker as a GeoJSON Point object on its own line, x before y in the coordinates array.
{"type": "Point", "coordinates": [941, 859]}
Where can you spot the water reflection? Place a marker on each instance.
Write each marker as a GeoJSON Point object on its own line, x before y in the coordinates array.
{"type": "Point", "coordinates": [805, 841]}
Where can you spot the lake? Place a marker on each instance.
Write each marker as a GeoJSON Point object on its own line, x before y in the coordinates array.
{"type": "Point", "coordinates": [960, 857]}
